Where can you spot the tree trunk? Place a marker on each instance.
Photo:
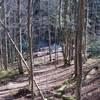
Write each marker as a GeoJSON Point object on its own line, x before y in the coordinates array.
{"type": "Point", "coordinates": [49, 33]}
{"type": "Point", "coordinates": [19, 37]}
{"type": "Point", "coordinates": [76, 27]}
{"type": "Point", "coordinates": [30, 46]}
{"type": "Point", "coordinates": [79, 49]}
{"type": "Point", "coordinates": [5, 45]}
{"type": "Point", "coordinates": [50, 52]}
{"type": "Point", "coordinates": [1, 52]}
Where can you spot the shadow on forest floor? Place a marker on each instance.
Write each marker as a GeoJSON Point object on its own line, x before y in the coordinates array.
{"type": "Point", "coordinates": [90, 91]}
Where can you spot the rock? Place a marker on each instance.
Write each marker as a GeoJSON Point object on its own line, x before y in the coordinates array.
{"type": "Point", "coordinates": [93, 71]}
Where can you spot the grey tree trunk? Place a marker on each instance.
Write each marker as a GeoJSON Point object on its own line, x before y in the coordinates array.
{"type": "Point", "coordinates": [49, 32]}
{"type": "Point", "coordinates": [5, 42]}
{"type": "Point", "coordinates": [30, 46]}
{"type": "Point", "coordinates": [19, 37]}
{"type": "Point", "coordinates": [1, 52]}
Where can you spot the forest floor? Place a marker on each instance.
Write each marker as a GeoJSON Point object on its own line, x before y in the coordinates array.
{"type": "Point", "coordinates": [50, 75]}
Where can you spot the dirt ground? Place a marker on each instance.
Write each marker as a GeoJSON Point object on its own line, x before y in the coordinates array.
{"type": "Point", "coordinates": [49, 75]}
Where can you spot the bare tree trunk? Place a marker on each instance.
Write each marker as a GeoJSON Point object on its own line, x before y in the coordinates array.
{"type": "Point", "coordinates": [79, 49]}
{"type": "Point", "coordinates": [56, 53]}
{"type": "Point", "coordinates": [30, 46]}
{"type": "Point", "coordinates": [76, 26]}
{"type": "Point", "coordinates": [19, 37]}
{"type": "Point", "coordinates": [1, 52]}
{"type": "Point", "coordinates": [5, 44]}
{"type": "Point", "coordinates": [50, 52]}
{"type": "Point", "coordinates": [65, 37]}
{"type": "Point", "coordinates": [49, 32]}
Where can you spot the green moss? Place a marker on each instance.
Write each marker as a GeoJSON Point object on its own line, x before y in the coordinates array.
{"type": "Point", "coordinates": [66, 84]}
{"type": "Point", "coordinates": [68, 98]}
{"type": "Point", "coordinates": [8, 73]}
{"type": "Point", "coordinates": [62, 88]}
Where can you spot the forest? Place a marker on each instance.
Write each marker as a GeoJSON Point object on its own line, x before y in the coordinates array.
{"type": "Point", "coordinates": [49, 49]}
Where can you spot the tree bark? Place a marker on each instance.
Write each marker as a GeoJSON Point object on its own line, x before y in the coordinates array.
{"type": "Point", "coordinates": [19, 37]}
{"type": "Point", "coordinates": [30, 46]}
{"type": "Point", "coordinates": [79, 49]}
{"type": "Point", "coordinates": [5, 42]}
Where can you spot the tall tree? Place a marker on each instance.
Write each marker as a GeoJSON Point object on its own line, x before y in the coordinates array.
{"type": "Point", "coordinates": [1, 52]}
{"type": "Point", "coordinates": [29, 25]}
{"type": "Point", "coordinates": [19, 36]}
{"type": "Point", "coordinates": [5, 39]}
{"type": "Point", "coordinates": [76, 27]}
{"type": "Point", "coordinates": [49, 31]}
{"type": "Point", "coordinates": [79, 48]}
